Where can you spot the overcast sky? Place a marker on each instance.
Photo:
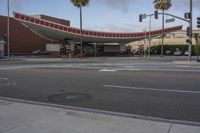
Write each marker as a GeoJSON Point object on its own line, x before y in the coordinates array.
{"type": "Point", "coordinates": [103, 15]}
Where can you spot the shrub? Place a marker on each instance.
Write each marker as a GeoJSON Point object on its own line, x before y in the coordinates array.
{"type": "Point", "coordinates": [172, 48]}
{"type": "Point", "coordinates": [197, 49]}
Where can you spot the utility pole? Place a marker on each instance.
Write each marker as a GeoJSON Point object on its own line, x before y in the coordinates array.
{"type": "Point", "coordinates": [145, 40]}
{"type": "Point", "coordinates": [8, 30]}
{"type": "Point", "coordinates": [190, 37]}
{"type": "Point", "coordinates": [149, 50]}
{"type": "Point", "coordinates": [163, 26]}
{"type": "Point", "coordinates": [81, 28]}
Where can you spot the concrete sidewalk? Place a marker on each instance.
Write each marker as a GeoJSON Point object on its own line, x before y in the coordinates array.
{"type": "Point", "coordinates": [18, 117]}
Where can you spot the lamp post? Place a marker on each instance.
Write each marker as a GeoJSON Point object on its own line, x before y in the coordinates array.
{"type": "Point", "coordinates": [8, 30]}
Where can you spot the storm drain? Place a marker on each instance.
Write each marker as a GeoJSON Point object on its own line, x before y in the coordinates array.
{"type": "Point", "coordinates": [70, 97]}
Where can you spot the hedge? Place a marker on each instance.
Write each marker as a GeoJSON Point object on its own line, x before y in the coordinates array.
{"type": "Point", "coordinates": [157, 49]}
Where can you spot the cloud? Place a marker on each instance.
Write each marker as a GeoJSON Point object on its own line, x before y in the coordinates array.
{"type": "Point", "coordinates": [125, 5]}
{"type": "Point", "coordinates": [122, 5]}
{"type": "Point", "coordinates": [16, 4]}
{"type": "Point", "coordinates": [185, 4]}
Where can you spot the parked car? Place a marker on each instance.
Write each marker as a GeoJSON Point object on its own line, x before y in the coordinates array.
{"type": "Point", "coordinates": [167, 52]}
{"type": "Point", "coordinates": [186, 53]}
{"type": "Point", "coordinates": [39, 52]}
{"type": "Point", "coordinates": [177, 53]}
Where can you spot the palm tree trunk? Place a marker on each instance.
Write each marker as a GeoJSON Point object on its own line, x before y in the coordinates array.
{"type": "Point", "coordinates": [81, 40]}
{"type": "Point", "coordinates": [163, 26]}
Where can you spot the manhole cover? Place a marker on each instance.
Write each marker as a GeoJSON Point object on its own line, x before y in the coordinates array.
{"type": "Point", "coordinates": [70, 97]}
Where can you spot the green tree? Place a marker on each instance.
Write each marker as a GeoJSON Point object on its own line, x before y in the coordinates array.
{"type": "Point", "coordinates": [80, 4]}
{"type": "Point", "coordinates": [197, 47]}
{"type": "Point", "coordinates": [162, 5]}
{"type": "Point", "coordinates": [196, 37]}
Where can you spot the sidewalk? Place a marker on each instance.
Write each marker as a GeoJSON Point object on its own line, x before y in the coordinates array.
{"type": "Point", "coordinates": [17, 117]}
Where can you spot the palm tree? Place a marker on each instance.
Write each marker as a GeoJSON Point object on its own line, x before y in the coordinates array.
{"type": "Point", "coordinates": [80, 4]}
{"type": "Point", "coordinates": [162, 5]}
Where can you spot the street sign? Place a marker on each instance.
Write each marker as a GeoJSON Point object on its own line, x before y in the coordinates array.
{"type": "Point", "coordinates": [187, 15]}
{"type": "Point", "coordinates": [144, 16]}
{"type": "Point", "coordinates": [170, 20]}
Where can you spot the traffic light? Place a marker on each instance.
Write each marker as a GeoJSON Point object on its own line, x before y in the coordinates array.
{"type": "Point", "coordinates": [198, 22]}
{"type": "Point", "coordinates": [156, 14]}
{"type": "Point", "coordinates": [189, 32]}
{"type": "Point", "coordinates": [140, 17]}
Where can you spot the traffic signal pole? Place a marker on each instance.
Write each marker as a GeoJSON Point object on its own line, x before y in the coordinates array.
{"type": "Point", "coordinates": [183, 19]}
{"type": "Point", "coordinates": [8, 30]}
{"type": "Point", "coordinates": [149, 50]}
{"type": "Point", "coordinates": [143, 16]}
{"type": "Point", "coordinates": [190, 37]}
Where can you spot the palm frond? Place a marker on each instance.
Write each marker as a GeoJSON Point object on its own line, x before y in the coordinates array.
{"type": "Point", "coordinates": [79, 3]}
{"type": "Point", "coordinates": [162, 4]}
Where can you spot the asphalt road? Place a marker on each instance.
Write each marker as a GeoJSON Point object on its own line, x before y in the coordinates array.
{"type": "Point", "coordinates": [154, 87]}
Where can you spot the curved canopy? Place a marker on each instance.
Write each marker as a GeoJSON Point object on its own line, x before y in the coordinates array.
{"type": "Point", "coordinates": [57, 32]}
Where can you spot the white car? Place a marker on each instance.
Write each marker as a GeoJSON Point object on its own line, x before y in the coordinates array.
{"type": "Point", "coordinates": [186, 53]}
{"type": "Point", "coordinates": [178, 53]}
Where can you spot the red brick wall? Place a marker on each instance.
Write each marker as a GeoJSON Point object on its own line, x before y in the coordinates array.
{"type": "Point", "coordinates": [22, 40]}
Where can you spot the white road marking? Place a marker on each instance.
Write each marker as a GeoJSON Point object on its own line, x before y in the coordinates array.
{"type": "Point", "coordinates": [151, 89]}
{"type": "Point", "coordinates": [184, 66]}
{"type": "Point", "coordinates": [3, 78]}
{"type": "Point", "coordinates": [171, 70]}
{"type": "Point", "coordinates": [107, 70]}
{"type": "Point", "coordinates": [134, 69]}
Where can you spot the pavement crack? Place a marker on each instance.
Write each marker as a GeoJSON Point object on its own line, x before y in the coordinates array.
{"type": "Point", "coordinates": [170, 128]}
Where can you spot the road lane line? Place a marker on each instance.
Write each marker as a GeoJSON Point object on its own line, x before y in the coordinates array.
{"type": "Point", "coordinates": [107, 70]}
{"type": "Point", "coordinates": [129, 69]}
{"type": "Point", "coordinates": [3, 78]}
{"type": "Point", "coordinates": [171, 70]}
{"type": "Point", "coordinates": [151, 89]}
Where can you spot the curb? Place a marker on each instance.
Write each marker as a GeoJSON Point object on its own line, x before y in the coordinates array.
{"type": "Point", "coordinates": [125, 115]}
